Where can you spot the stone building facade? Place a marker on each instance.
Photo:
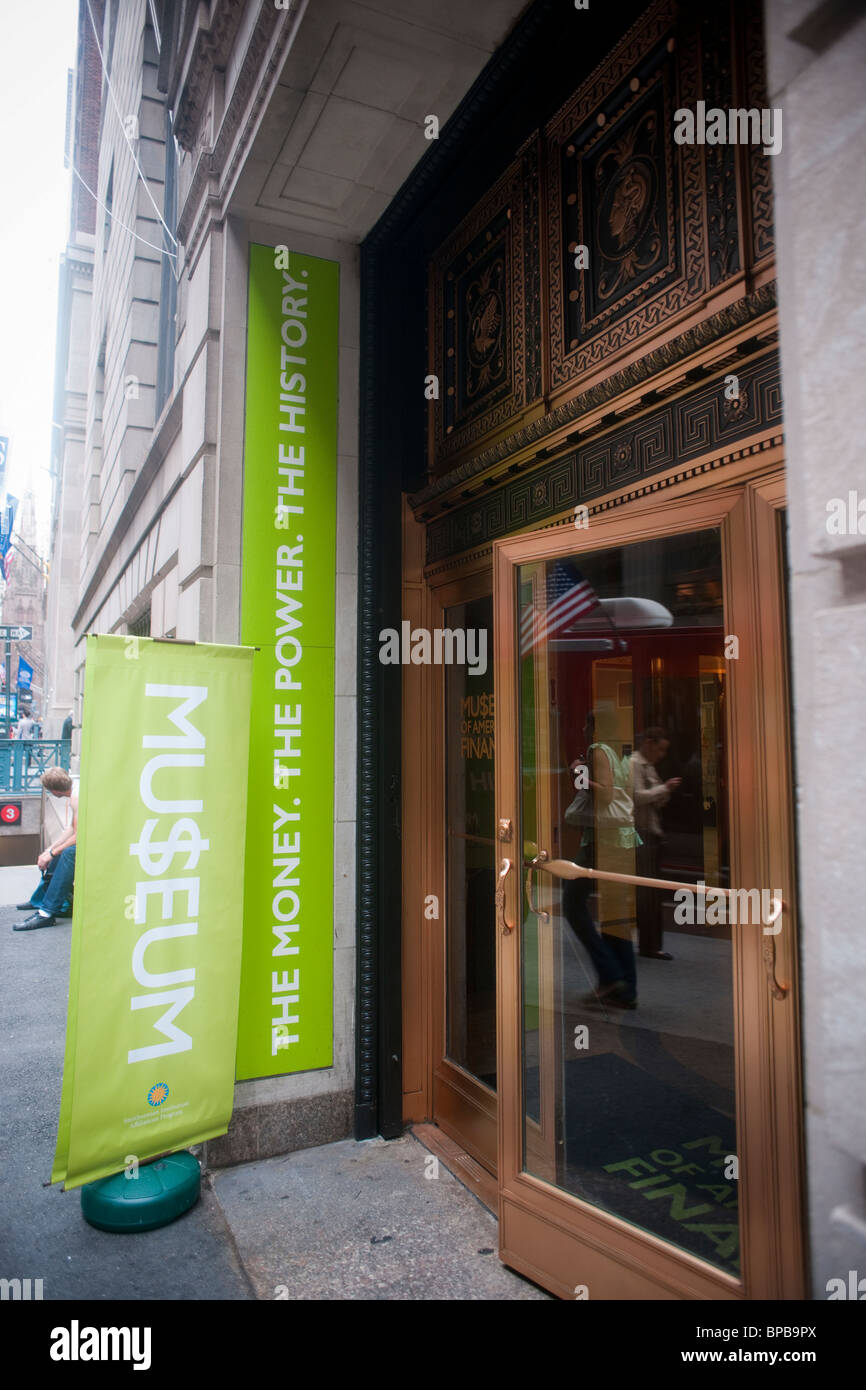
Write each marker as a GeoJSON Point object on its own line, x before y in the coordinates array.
{"type": "Point", "coordinates": [358, 133]}
{"type": "Point", "coordinates": [160, 450]}
{"type": "Point", "coordinates": [816, 62]}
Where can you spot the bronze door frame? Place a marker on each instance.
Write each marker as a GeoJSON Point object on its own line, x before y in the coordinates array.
{"type": "Point", "coordinates": [463, 1107]}
{"type": "Point", "coordinates": [547, 1234]}
{"type": "Point", "coordinates": [438, 1088]}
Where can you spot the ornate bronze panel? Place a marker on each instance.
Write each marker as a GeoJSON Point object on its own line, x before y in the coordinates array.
{"type": "Point", "coordinates": [514, 322]}
{"type": "Point", "coordinates": [763, 244]}
{"type": "Point", "coordinates": [620, 199]}
{"type": "Point", "coordinates": [477, 330]}
{"type": "Point", "coordinates": [486, 358]}
{"type": "Point", "coordinates": [618, 184]}
{"type": "Point", "coordinates": [723, 238]}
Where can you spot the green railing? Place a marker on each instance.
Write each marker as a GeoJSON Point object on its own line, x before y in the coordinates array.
{"type": "Point", "coordinates": [23, 761]}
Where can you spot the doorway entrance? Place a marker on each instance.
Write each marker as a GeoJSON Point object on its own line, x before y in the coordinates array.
{"type": "Point", "coordinates": [648, 1080]}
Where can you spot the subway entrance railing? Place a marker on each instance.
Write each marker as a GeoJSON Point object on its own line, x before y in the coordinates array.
{"type": "Point", "coordinates": [23, 761]}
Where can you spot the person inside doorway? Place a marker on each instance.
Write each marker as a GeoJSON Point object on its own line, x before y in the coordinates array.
{"type": "Point", "coordinates": [57, 862]}
{"type": "Point", "coordinates": [649, 793]}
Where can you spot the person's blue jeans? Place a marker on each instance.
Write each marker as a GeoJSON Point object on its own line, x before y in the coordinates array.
{"type": "Point", "coordinates": [55, 890]}
{"type": "Point", "coordinates": [612, 956]}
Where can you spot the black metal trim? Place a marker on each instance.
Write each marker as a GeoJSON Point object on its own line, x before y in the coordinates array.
{"type": "Point", "coordinates": [366, 1069]}
{"type": "Point", "coordinates": [378, 1076]}
{"type": "Point", "coordinates": [379, 1045]}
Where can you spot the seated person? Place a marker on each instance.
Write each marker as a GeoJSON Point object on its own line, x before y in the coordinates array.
{"type": "Point", "coordinates": [57, 862]}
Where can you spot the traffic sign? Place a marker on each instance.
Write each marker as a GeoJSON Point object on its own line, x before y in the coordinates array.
{"type": "Point", "coordinates": [16, 634]}
{"type": "Point", "coordinates": [10, 812]}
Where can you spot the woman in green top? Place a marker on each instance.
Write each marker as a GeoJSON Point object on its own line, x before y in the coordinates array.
{"type": "Point", "coordinates": [610, 843]}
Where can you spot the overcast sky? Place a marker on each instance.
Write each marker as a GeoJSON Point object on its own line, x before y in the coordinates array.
{"type": "Point", "coordinates": [37, 47]}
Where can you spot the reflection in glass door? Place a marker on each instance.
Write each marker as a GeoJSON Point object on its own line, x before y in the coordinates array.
{"type": "Point", "coordinates": [470, 854]}
{"type": "Point", "coordinates": [465, 1066]}
{"type": "Point", "coordinates": [629, 1098]}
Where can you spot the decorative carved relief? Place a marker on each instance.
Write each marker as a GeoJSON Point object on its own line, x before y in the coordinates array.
{"type": "Point", "coordinates": [532, 268]}
{"type": "Point", "coordinates": [692, 166]}
{"type": "Point", "coordinates": [619, 185]}
{"type": "Point", "coordinates": [482, 350]}
{"type": "Point", "coordinates": [262, 59]}
{"type": "Point", "coordinates": [760, 178]}
{"type": "Point", "coordinates": [619, 200]}
{"type": "Point", "coordinates": [480, 327]}
{"type": "Point", "coordinates": [211, 49]}
{"type": "Point", "coordinates": [723, 244]}
{"type": "Point", "coordinates": [661, 221]}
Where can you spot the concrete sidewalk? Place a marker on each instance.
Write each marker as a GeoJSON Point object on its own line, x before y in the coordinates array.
{"type": "Point", "coordinates": [364, 1221]}
{"type": "Point", "coordinates": [42, 1232]}
{"type": "Point", "coordinates": [345, 1221]}
{"type": "Point", "coordinates": [16, 884]}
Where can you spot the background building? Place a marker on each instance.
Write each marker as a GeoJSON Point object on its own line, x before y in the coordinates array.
{"type": "Point", "coordinates": [23, 604]}
{"type": "Point", "coordinates": [71, 379]}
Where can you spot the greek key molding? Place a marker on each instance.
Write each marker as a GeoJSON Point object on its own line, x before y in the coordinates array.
{"type": "Point", "coordinates": [618, 461]}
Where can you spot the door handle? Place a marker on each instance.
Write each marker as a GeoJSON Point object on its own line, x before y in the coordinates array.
{"type": "Point", "coordinates": [539, 861]}
{"type": "Point", "coordinates": [565, 868]}
{"type": "Point", "coordinates": [777, 989]}
{"type": "Point", "coordinates": [504, 870]}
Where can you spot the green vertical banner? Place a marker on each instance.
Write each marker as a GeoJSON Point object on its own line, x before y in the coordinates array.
{"type": "Point", "coordinates": [288, 581]}
{"type": "Point", "coordinates": [156, 928]}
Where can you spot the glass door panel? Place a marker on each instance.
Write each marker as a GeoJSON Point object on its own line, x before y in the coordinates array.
{"type": "Point", "coordinates": [627, 1018]}
{"type": "Point", "coordinates": [470, 854]}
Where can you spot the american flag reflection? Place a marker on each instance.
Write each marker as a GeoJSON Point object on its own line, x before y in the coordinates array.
{"type": "Point", "coordinates": [567, 598]}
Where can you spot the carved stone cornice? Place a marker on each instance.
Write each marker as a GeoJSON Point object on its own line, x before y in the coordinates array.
{"type": "Point", "coordinates": [72, 265]}
{"type": "Point", "coordinates": [264, 57]}
{"type": "Point", "coordinates": [211, 50]}
{"type": "Point", "coordinates": [709, 330]}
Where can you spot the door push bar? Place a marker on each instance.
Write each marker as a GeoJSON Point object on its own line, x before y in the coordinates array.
{"type": "Point", "coordinates": [565, 868]}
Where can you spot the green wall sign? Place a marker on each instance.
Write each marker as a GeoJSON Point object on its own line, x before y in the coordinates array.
{"type": "Point", "coordinates": [288, 579]}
